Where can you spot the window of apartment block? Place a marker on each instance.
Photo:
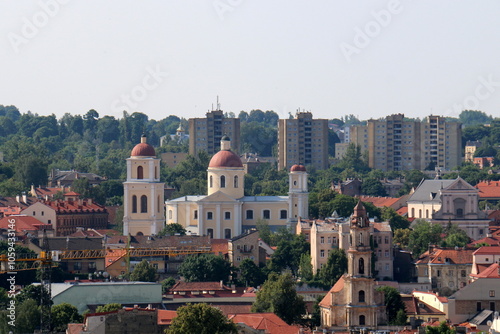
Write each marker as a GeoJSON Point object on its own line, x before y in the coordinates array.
{"type": "Point", "coordinates": [322, 240]}
{"type": "Point", "coordinates": [77, 266]}
{"type": "Point", "coordinates": [329, 240]}
{"type": "Point", "coordinates": [322, 253]}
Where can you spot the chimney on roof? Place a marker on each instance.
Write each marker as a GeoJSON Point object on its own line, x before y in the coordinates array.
{"type": "Point", "coordinates": [25, 198]}
{"type": "Point", "coordinates": [18, 199]}
{"type": "Point", "coordinates": [221, 284]}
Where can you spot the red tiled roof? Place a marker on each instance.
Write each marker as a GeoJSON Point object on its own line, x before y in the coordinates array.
{"type": "Point", "coordinates": [487, 250]}
{"type": "Point", "coordinates": [492, 241]}
{"type": "Point", "coordinates": [269, 322]}
{"type": "Point", "coordinates": [451, 256]}
{"type": "Point", "coordinates": [440, 298]}
{"type": "Point", "coordinates": [489, 189]}
{"type": "Point", "coordinates": [165, 316]}
{"type": "Point", "coordinates": [75, 206]}
{"type": "Point", "coordinates": [113, 255]}
{"type": "Point", "coordinates": [199, 286]}
{"type": "Point", "coordinates": [47, 191]}
{"type": "Point", "coordinates": [24, 223]}
{"type": "Point", "coordinates": [379, 202]}
{"type": "Point", "coordinates": [381, 227]}
{"type": "Point", "coordinates": [418, 307]}
{"type": "Point", "coordinates": [402, 211]}
{"type": "Point", "coordinates": [338, 286]}
{"type": "Point", "coordinates": [491, 272]}
{"type": "Point", "coordinates": [219, 246]}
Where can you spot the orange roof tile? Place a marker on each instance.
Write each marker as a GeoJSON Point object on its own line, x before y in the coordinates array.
{"type": "Point", "coordinates": [74, 328]}
{"type": "Point", "coordinates": [491, 272]}
{"type": "Point", "coordinates": [489, 189]}
{"type": "Point", "coordinates": [24, 223]}
{"type": "Point", "coordinates": [445, 256]}
{"type": "Point", "coordinates": [269, 322]}
{"type": "Point", "coordinates": [338, 286]}
{"type": "Point", "coordinates": [492, 241]}
{"type": "Point", "coordinates": [199, 286]}
{"type": "Point", "coordinates": [487, 250]}
{"type": "Point", "coordinates": [165, 316]}
{"type": "Point", "coordinates": [379, 202]}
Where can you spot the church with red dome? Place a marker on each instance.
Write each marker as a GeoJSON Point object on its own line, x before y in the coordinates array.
{"type": "Point", "coordinates": [225, 211]}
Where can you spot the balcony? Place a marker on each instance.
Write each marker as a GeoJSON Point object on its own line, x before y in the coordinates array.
{"type": "Point", "coordinates": [246, 250]}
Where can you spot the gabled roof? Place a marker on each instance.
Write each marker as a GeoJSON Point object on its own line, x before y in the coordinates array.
{"type": "Point", "coordinates": [165, 317]}
{"type": "Point", "coordinates": [418, 307]}
{"type": "Point", "coordinates": [79, 206]}
{"type": "Point", "coordinates": [460, 184]}
{"type": "Point", "coordinates": [488, 250]}
{"type": "Point", "coordinates": [218, 196]}
{"type": "Point", "coordinates": [492, 241]}
{"type": "Point", "coordinates": [243, 235]}
{"type": "Point", "coordinates": [268, 322]}
{"type": "Point", "coordinates": [67, 243]}
{"type": "Point", "coordinates": [381, 227]}
{"type": "Point", "coordinates": [379, 202]}
{"type": "Point", "coordinates": [47, 191]}
{"type": "Point", "coordinates": [12, 202]}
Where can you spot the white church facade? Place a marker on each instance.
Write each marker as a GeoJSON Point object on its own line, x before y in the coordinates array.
{"type": "Point", "coordinates": [226, 212]}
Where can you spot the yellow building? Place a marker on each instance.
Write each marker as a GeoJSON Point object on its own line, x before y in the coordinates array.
{"type": "Point", "coordinates": [225, 212]}
{"type": "Point", "coordinates": [143, 197]}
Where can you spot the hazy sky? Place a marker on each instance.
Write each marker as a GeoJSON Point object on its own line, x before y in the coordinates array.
{"type": "Point", "coordinates": [163, 57]}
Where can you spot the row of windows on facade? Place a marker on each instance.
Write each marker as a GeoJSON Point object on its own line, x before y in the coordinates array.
{"type": "Point", "coordinates": [140, 172]}
{"type": "Point", "coordinates": [222, 181]}
{"type": "Point", "coordinates": [143, 204]}
{"type": "Point", "coordinates": [266, 214]}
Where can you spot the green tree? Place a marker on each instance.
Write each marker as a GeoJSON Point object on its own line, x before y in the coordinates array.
{"type": "Point", "coordinates": [402, 237]}
{"type": "Point", "coordinates": [200, 318]}
{"type": "Point", "coordinates": [395, 220]}
{"type": "Point", "coordinates": [335, 267]}
{"type": "Point", "coordinates": [251, 275]}
{"type": "Point", "coordinates": [28, 316]}
{"type": "Point", "coordinates": [172, 229]}
{"type": "Point", "coordinates": [264, 230]}
{"type": "Point", "coordinates": [393, 304]}
{"type": "Point", "coordinates": [64, 314]}
{"type": "Point", "coordinates": [205, 268]}
{"type": "Point", "coordinates": [305, 267]}
{"type": "Point", "coordinates": [278, 295]}
{"type": "Point", "coordinates": [353, 159]}
{"type": "Point", "coordinates": [288, 253]}
{"type": "Point", "coordinates": [455, 237]}
{"type": "Point", "coordinates": [373, 187]}
{"type": "Point", "coordinates": [166, 284]}
{"type": "Point", "coordinates": [108, 307]}
{"type": "Point", "coordinates": [474, 117]}
{"type": "Point", "coordinates": [443, 328]}
{"type": "Point", "coordinates": [423, 235]}
{"type": "Point", "coordinates": [143, 272]}
{"type": "Point", "coordinates": [344, 205]}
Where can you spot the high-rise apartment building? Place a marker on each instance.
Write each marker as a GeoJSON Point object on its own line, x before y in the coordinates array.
{"type": "Point", "coordinates": [397, 143]}
{"type": "Point", "coordinates": [205, 133]}
{"type": "Point", "coordinates": [303, 140]}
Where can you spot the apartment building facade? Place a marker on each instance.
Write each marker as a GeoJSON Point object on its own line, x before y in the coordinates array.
{"type": "Point", "coordinates": [398, 143]}
{"type": "Point", "coordinates": [303, 140]}
{"type": "Point", "coordinates": [205, 133]}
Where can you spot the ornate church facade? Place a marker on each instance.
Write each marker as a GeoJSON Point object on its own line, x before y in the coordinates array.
{"type": "Point", "coordinates": [226, 212]}
{"type": "Point", "coordinates": [353, 301]}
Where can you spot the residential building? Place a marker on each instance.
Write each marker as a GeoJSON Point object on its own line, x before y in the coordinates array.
{"type": "Point", "coordinates": [483, 162]}
{"type": "Point", "coordinates": [489, 190]}
{"type": "Point", "coordinates": [69, 214]}
{"type": "Point", "coordinates": [26, 226]}
{"type": "Point", "coordinates": [353, 301]}
{"type": "Point", "coordinates": [172, 159]}
{"type": "Point", "coordinates": [334, 233]}
{"type": "Point", "coordinates": [470, 149]}
{"type": "Point", "coordinates": [263, 323]}
{"type": "Point", "coordinates": [445, 201]}
{"type": "Point", "coordinates": [126, 320]}
{"type": "Point", "coordinates": [246, 246]}
{"type": "Point", "coordinates": [349, 187]}
{"type": "Point", "coordinates": [143, 197]}
{"type": "Point", "coordinates": [447, 269]}
{"type": "Point", "coordinates": [483, 258]}
{"type": "Point", "coordinates": [478, 300]}
{"type": "Point", "coordinates": [225, 212]}
{"type": "Point", "coordinates": [397, 143]}
{"type": "Point", "coordinates": [14, 205]}
{"type": "Point", "coordinates": [206, 133]}
{"type": "Point", "coordinates": [303, 140]}
{"type": "Point", "coordinates": [419, 311]}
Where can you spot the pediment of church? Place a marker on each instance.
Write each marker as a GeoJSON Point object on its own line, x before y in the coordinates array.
{"type": "Point", "coordinates": [460, 184]}
{"type": "Point", "coordinates": [218, 196]}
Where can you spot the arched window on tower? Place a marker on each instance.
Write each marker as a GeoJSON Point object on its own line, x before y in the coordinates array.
{"type": "Point", "coordinates": [144, 204]}
{"type": "Point", "coordinates": [362, 320]}
{"type": "Point", "coordinates": [236, 181]}
{"type": "Point", "coordinates": [156, 172]}
{"type": "Point", "coordinates": [361, 267]}
{"type": "Point", "coordinates": [140, 173]}
{"type": "Point", "coordinates": [361, 296]}
{"type": "Point", "coordinates": [211, 181]}
{"type": "Point", "coordinates": [223, 181]}
{"type": "Point", "coordinates": [134, 204]}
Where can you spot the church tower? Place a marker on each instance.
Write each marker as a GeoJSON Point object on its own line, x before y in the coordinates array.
{"type": "Point", "coordinates": [362, 306]}
{"type": "Point", "coordinates": [298, 194]}
{"type": "Point", "coordinates": [143, 192]}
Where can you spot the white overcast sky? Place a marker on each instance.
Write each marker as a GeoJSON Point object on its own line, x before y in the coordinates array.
{"type": "Point", "coordinates": [426, 57]}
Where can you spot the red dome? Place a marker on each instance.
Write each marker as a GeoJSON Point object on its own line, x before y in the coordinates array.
{"type": "Point", "coordinates": [225, 158]}
{"type": "Point", "coordinates": [143, 150]}
{"type": "Point", "coordinates": [298, 168]}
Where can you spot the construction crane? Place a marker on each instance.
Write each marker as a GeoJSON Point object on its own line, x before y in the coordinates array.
{"type": "Point", "coordinates": [46, 286]}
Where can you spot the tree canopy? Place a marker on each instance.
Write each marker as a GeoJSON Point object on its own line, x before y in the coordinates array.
{"type": "Point", "coordinates": [201, 318]}
{"type": "Point", "coordinates": [205, 268]}
{"type": "Point", "coordinates": [143, 272]}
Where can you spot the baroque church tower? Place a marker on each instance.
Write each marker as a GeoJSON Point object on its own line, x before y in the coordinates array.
{"type": "Point", "coordinates": [353, 302]}
{"type": "Point", "coordinates": [143, 198]}
{"type": "Point", "coordinates": [298, 194]}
